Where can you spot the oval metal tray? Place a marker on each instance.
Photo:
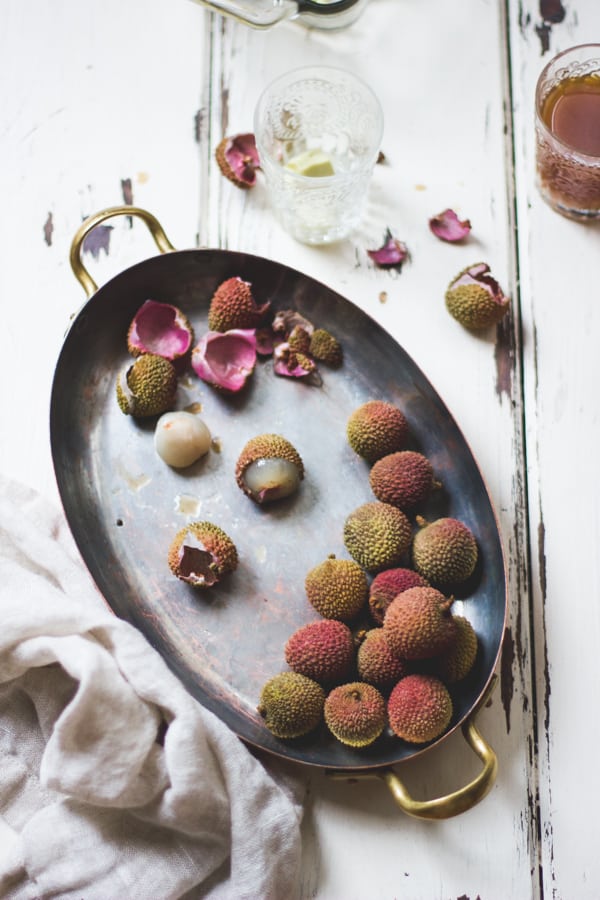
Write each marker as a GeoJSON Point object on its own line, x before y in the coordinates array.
{"type": "Point", "coordinates": [124, 504]}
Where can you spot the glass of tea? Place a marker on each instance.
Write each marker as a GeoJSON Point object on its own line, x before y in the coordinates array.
{"type": "Point", "coordinates": [567, 122]}
{"type": "Point", "coordinates": [318, 133]}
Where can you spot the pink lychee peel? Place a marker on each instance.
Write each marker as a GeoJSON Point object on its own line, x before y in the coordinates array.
{"type": "Point", "coordinates": [242, 156]}
{"type": "Point", "coordinates": [226, 359]}
{"type": "Point", "coordinates": [391, 254]}
{"type": "Point", "coordinates": [161, 329]}
{"type": "Point", "coordinates": [448, 227]}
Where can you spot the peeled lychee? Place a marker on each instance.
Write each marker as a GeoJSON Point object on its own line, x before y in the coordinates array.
{"type": "Point", "coordinates": [269, 468]}
{"type": "Point", "coordinates": [181, 438]}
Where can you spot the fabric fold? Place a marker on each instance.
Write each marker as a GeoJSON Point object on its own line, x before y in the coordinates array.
{"type": "Point", "coordinates": [114, 781]}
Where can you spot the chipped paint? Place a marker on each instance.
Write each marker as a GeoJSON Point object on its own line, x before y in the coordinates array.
{"type": "Point", "coordinates": [48, 229]}
{"type": "Point", "coordinates": [225, 109]}
{"type": "Point", "coordinates": [519, 566]}
{"type": "Point", "coordinates": [543, 32]}
{"type": "Point", "coordinates": [97, 240]}
{"type": "Point", "coordinates": [507, 682]}
{"type": "Point", "coordinates": [547, 691]}
{"type": "Point", "coordinates": [542, 557]}
{"type": "Point", "coordinates": [552, 12]}
{"type": "Point", "coordinates": [199, 120]}
{"type": "Point", "coordinates": [524, 20]}
{"type": "Point", "coordinates": [504, 355]}
{"type": "Point", "coordinates": [541, 535]}
{"type": "Point", "coordinates": [127, 191]}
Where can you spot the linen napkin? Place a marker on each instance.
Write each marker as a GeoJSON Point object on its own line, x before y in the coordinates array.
{"type": "Point", "coordinates": [114, 782]}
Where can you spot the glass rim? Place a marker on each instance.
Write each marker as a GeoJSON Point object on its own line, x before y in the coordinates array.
{"type": "Point", "coordinates": [305, 70]}
{"type": "Point", "coordinates": [327, 9]}
{"type": "Point", "coordinates": [538, 91]}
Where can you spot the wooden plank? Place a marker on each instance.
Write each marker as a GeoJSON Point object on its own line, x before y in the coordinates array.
{"type": "Point", "coordinates": [115, 102]}
{"type": "Point", "coordinates": [445, 146]}
{"type": "Point", "coordinates": [559, 274]}
{"type": "Point", "coordinates": [98, 109]}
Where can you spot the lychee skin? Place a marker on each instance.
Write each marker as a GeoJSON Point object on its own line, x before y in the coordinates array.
{"type": "Point", "coordinates": [375, 429]}
{"type": "Point", "coordinates": [291, 704]}
{"type": "Point", "coordinates": [404, 479]}
{"type": "Point", "coordinates": [444, 551]}
{"type": "Point", "coordinates": [337, 588]}
{"type": "Point", "coordinates": [237, 158]}
{"type": "Point", "coordinates": [376, 662]}
{"type": "Point", "coordinates": [201, 553]}
{"type": "Point", "coordinates": [268, 468]}
{"type": "Point", "coordinates": [377, 535]}
{"type": "Point", "coordinates": [233, 306]}
{"type": "Point", "coordinates": [160, 328]}
{"type": "Point", "coordinates": [456, 663]}
{"type": "Point", "coordinates": [475, 299]}
{"type": "Point", "coordinates": [325, 347]}
{"type": "Point", "coordinates": [387, 585]}
{"type": "Point", "coordinates": [147, 387]}
{"type": "Point", "coordinates": [419, 708]}
{"type": "Point", "coordinates": [322, 650]}
{"type": "Point", "coordinates": [355, 713]}
{"type": "Point", "coordinates": [418, 623]}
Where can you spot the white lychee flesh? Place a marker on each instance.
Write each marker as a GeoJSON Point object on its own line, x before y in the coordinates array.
{"type": "Point", "coordinates": [271, 479]}
{"type": "Point", "coordinates": [181, 438]}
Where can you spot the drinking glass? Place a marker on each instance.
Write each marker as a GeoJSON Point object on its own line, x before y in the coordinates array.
{"type": "Point", "coordinates": [318, 133]}
{"type": "Point", "coordinates": [567, 124]}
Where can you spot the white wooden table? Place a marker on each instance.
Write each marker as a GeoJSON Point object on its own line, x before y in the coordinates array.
{"type": "Point", "coordinates": [104, 103]}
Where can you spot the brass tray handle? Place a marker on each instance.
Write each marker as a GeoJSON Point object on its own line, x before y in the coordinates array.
{"type": "Point", "coordinates": [452, 804]}
{"type": "Point", "coordinates": [79, 270]}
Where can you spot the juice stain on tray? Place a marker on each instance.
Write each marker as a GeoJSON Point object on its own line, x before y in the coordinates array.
{"type": "Point", "coordinates": [187, 505]}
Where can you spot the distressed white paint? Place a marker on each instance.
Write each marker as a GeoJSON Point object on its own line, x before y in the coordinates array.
{"type": "Point", "coordinates": [97, 93]}
{"type": "Point", "coordinates": [559, 264]}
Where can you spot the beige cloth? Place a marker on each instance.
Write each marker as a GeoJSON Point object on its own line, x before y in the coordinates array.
{"type": "Point", "coordinates": [114, 782]}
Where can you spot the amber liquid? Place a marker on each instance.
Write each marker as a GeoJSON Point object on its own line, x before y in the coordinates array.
{"type": "Point", "coordinates": [569, 164]}
{"type": "Point", "coordinates": [572, 113]}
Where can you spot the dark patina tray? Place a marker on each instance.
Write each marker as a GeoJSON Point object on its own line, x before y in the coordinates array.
{"type": "Point", "coordinates": [124, 505]}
